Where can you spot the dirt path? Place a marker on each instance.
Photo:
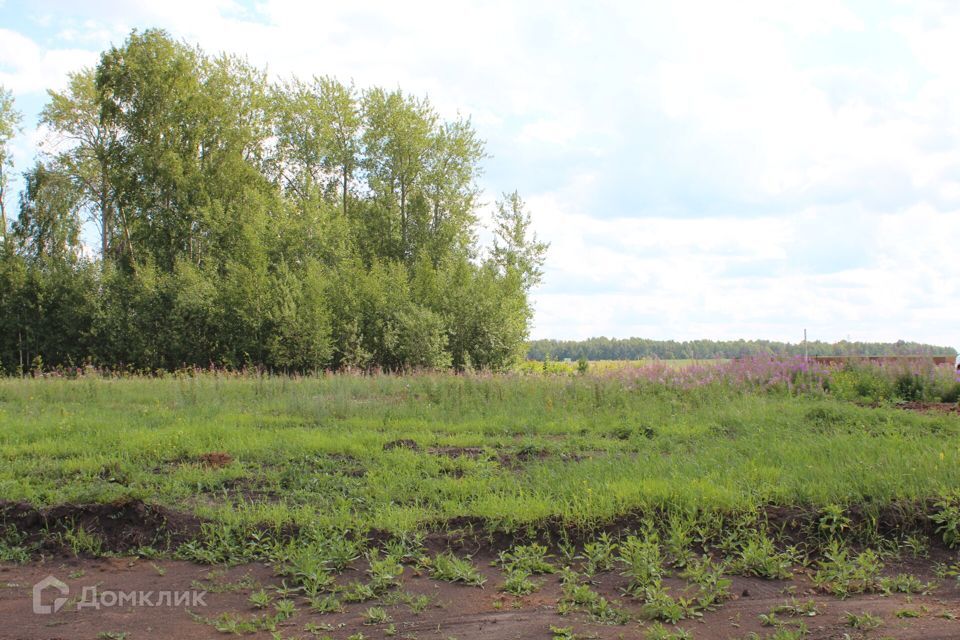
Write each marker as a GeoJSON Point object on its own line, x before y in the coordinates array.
{"type": "Point", "coordinates": [461, 612]}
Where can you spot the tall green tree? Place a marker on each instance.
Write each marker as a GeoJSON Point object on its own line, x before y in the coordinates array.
{"type": "Point", "coordinates": [187, 162]}
{"type": "Point", "coordinates": [397, 143]}
{"type": "Point", "coordinates": [9, 125]}
{"type": "Point", "coordinates": [516, 249]}
{"type": "Point", "coordinates": [294, 226]}
{"type": "Point", "coordinates": [48, 225]}
{"type": "Point", "coordinates": [80, 143]}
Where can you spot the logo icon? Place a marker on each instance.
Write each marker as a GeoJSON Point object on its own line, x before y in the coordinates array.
{"type": "Point", "coordinates": [43, 585]}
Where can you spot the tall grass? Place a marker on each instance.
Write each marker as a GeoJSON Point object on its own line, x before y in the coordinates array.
{"type": "Point", "coordinates": [515, 450]}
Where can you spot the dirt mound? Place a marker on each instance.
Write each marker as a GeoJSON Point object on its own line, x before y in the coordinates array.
{"type": "Point", "coordinates": [120, 526]}
{"type": "Point", "coordinates": [403, 443]}
{"type": "Point", "coordinates": [216, 459]}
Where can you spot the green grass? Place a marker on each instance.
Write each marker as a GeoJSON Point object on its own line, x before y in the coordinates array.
{"type": "Point", "coordinates": [311, 451]}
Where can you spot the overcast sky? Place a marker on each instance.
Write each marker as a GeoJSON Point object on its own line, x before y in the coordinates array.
{"type": "Point", "coordinates": [704, 169]}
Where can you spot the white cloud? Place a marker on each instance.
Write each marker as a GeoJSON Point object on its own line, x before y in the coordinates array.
{"type": "Point", "coordinates": [717, 169]}
{"type": "Point", "coordinates": [669, 278]}
{"type": "Point", "coordinates": [25, 67]}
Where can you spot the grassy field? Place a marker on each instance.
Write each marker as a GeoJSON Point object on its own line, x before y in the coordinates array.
{"type": "Point", "coordinates": [406, 453]}
{"type": "Point", "coordinates": [652, 485]}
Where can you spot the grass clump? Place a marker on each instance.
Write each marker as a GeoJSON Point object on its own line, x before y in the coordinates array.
{"type": "Point", "coordinates": [450, 568]}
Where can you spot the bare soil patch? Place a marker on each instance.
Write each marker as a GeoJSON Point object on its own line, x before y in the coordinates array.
{"type": "Point", "coordinates": [121, 525]}
{"type": "Point", "coordinates": [462, 612]}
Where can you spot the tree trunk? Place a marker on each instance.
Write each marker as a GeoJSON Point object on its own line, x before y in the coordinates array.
{"type": "Point", "coordinates": [3, 211]}
{"type": "Point", "coordinates": [345, 178]}
{"type": "Point", "coordinates": [106, 221]}
{"type": "Point", "coordinates": [403, 220]}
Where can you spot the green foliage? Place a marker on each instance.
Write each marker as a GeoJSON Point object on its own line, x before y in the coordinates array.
{"type": "Point", "coordinates": [13, 546]}
{"type": "Point", "coordinates": [600, 348]}
{"type": "Point", "coordinates": [517, 582]}
{"type": "Point", "coordinates": [578, 596]}
{"type": "Point", "coordinates": [841, 574]}
{"type": "Point", "coordinates": [376, 615]}
{"type": "Point", "coordinates": [598, 554]}
{"type": "Point", "coordinates": [449, 567]}
{"type": "Point", "coordinates": [657, 631]}
{"type": "Point", "coordinates": [9, 126]}
{"type": "Point", "coordinates": [532, 558]}
{"type": "Point", "coordinates": [48, 226]}
{"type": "Point", "coordinates": [384, 572]}
{"type": "Point", "coordinates": [863, 621]}
{"type": "Point", "coordinates": [294, 227]}
{"type": "Point", "coordinates": [758, 556]}
{"type": "Point", "coordinates": [643, 562]}
{"type": "Point", "coordinates": [947, 519]}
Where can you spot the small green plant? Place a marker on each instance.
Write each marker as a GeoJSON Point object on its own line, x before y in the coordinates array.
{"type": "Point", "coordinates": [358, 592]}
{"type": "Point", "coordinates": [840, 574]}
{"type": "Point", "coordinates": [660, 605]}
{"type": "Point", "coordinates": [598, 555]}
{"type": "Point", "coordinates": [375, 615]}
{"type": "Point", "coordinates": [904, 583]}
{"type": "Point", "coordinates": [326, 604]}
{"type": "Point", "coordinates": [232, 623]}
{"type": "Point", "coordinates": [679, 537]}
{"type": "Point", "coordinates": [450, 568]}
{"type": "Point", "coordinates": [917, 546]}
{"type": "Point", "coordinates": [384, 572]}
{"type": "Point", "coordinates": [285, 608]}
{"type": "Point", "coordinates": [531, 558]}
{"type": "Point", "coordinates": [948, 519]}
{"type": "Point", "coordinates": [13, 547]}
{"type": "Point", "coordinates": [405, 548]}
{"type": "Point", "coordinates": [657, 631]}
{"type": "Point", "coordinates": [713, 587]}
{"type": "Point", "coordinates": [834, 521]}
{"type": "Point", "coordinates": [796, 608]}
{"type": "Point", "coordinates": [260, 599]}
{"type": "Point", "coordinates": [580, 597]}
{"type": "Point", "coordinates": [863, 621]}
{"type": "Point", "coordinates": [518, 583]}
{"type": "Point", "coordinates": [82, 542]}
{"type": "Point", "coordinates": [643, 562]}
{"type": "Point", "coordinates": [317, 629]}
{"type": "Point", "coordinates": [309, 568]}
{"type": "Point", "coordinates": [562, 633]}
{"type": "Point", "coordinates": [759, 557]}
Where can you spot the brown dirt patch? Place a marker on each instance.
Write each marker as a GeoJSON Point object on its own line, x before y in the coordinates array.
{"type": "Point", "coordinates": [458, 452]}
{"type": "Point", "coordinates": [120, 525]}
{"type": "Point", "coordinates": [403, 443]}
{"type": "Point", "coordinates": [216, 459]}
{"type": "Point", "coordinates": [463, 612]}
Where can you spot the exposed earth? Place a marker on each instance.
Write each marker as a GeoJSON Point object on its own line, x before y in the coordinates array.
{"type": "Point", "coordinates": [454, 611]}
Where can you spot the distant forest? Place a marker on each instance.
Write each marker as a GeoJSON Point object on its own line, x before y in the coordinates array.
{"type": "Point", "coordinates": [637, 348]}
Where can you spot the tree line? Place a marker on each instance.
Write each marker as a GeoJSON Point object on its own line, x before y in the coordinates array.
{"type": "Point", "coordinates": [638, 348]}
{"type": "Point", "coordinates": [292, 225]}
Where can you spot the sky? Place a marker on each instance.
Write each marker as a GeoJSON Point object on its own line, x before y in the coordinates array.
{"type": "Point", "coordinates": [746, 169]}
